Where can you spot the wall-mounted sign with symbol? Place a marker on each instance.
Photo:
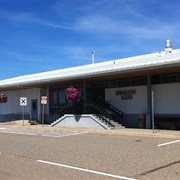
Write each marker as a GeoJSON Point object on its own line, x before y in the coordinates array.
{"type": "Point", "coordinates": [23, 101]}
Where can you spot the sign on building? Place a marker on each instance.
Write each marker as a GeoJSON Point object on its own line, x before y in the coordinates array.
{"type": "Point", "coordinates": [23, 101]}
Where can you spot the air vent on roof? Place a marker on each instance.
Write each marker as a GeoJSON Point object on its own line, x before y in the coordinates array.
{"type": "Point", "coordinates": [93, 53]}
{"type": "Point", "coordinates": [168, 46]}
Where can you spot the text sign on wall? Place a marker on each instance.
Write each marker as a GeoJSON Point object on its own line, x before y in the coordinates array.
{"type": "Point", "coordinates": [126, 94]}
{"type": "Point", "coordinates": [23, 101]}
{"type": "Point", "coordinates": [43, 99]}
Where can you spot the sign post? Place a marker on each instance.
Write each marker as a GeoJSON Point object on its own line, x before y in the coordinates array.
{"type": "Point", "coordinates": [43, 102]}
{"type": "Point", "coordinates": [153, 111]}
{"type": "Point", "coordinates": [23, 102]}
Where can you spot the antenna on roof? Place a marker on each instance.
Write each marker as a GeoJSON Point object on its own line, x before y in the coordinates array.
{"type": "Point", "coordinates": [92, 53]}
{"type": "Point", "coordinates": [168, 46]}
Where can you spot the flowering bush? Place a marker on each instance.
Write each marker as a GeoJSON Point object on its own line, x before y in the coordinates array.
{"type": "Point", "coordinates": [3, 98]}
{"type": "Point", "coordinates": [71, 93]}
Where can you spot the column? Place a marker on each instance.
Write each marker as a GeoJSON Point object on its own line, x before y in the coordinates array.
{"type": "Point", "coordinates": [84, 98]}
{"type": "Point", "coordinates": [149, 103]}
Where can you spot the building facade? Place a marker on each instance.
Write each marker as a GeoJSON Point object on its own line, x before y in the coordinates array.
{"type": "Point", "coordinates": [145, 89]}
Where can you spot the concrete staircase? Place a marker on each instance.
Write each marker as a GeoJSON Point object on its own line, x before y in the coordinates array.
{"type": "Point", "coordinates": [116, 125]}
{"type": "Point", "coordinates": [86, 120]}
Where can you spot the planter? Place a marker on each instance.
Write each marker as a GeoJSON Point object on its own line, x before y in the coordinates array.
{"type": "Point", "coordinates": [3, 98]}
{"type": "Point", "coordinates": [71, 93]}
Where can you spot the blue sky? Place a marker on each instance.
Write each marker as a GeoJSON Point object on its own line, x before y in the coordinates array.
{"type": "Point", "coordinates": [44, 35]}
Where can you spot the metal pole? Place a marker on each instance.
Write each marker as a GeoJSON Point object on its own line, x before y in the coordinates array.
{"type": "Point", "coordinates": [43, 116]}
{"type": "Point", "coordinates": [153, 111]}
{"type": "Point", "coordinates": [23, 114]}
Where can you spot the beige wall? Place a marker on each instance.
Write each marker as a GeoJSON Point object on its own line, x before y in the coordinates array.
{"type": "Point", "coordinates": [13, 104]}
{"type": "Point", "coordinates": [166, 98]}
{"type": "Point", "coordinates": [136, 105]}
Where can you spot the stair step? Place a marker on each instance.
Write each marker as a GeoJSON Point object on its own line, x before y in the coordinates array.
{"type": "Point", "coordinates": [118, 127]}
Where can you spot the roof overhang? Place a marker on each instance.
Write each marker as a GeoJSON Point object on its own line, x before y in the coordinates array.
{"type": "Point", "coordinates": [156, 63]}
{"type": "Point", "coordinates": [94, 77]}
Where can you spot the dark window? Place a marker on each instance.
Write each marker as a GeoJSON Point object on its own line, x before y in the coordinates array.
{"type": "Point", "coordinates": [169, 78]}
{"type": "Point", "coordinates": [34, 105]}
{"type": "Point", "coordinates": [155, 79]}
{"type": "Point", "coordinates": [138, 81]}
{"type": "Point", "coordinates": [112, 84]}
{"type": "Point", "coordinates": [53, 96]}
{"type": "Point", "coordinates": [125, 82]}
{"type": "Point", "coordinates": [178, 79]}
{"type": "Point", "coordinates": [165, 78]}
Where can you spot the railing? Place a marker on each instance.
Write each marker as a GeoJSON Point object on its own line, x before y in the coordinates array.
{"type": "Point", "coordinates": [73, 107]}
{"type": "Point", "coordinates": [117, 115]}
{"type": "Point", "coordinates": [93, 108]}
{"type": "Point", "coordinates": [106, 112]}
{"type": "Point", "coordinates": [114, 109]}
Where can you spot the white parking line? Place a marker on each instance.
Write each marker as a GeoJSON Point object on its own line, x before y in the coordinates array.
{"type": "Point", "coordinates": [64, 135]}
{"type": "Point", "coordinates": [87, 170]}
{"type": "Point", "coordinates": [45, 135]}
{"type": "Point", "coordinates": [2, 128]}
{"type": "Point", "coordinates": [164, 144]}
{"type": "Point", "coordinates": [11, 132]}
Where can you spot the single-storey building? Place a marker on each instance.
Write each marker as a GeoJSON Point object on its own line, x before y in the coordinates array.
{"type": "Point", "coordinates": [135, 92]}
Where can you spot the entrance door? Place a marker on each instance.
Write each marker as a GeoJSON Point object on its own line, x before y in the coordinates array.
{"type": "Point", "coordinates": [34, 109]}
{"type": "Point", "coordinates": [97, 95]}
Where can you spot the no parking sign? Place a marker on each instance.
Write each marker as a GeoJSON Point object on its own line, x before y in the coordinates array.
{"type": "Point", "coordinates": [43, 99]}
{"type": "Point", "coordinates": [23, 101]}
{"type": "Point", "coordinates": [43, 102]}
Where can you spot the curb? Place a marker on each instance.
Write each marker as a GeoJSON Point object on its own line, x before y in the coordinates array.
{"type": "Point", "coordinates": [124, 131]}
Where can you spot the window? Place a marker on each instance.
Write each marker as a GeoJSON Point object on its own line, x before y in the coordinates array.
{"type": "Point", "coordinates": [155, 79]}
{"type": "Point", "coordinates": [124, 82]}
{"type": "Point", "coordinates": [165, 78]}
{"type": "Point", "coordinates": [53, 94]}
{"type": "Point", "coordinates": [138, 81]}
{"type": "Point", "coordinates": [169, 78]}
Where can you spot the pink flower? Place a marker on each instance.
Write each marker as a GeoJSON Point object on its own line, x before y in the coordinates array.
{"type": "Point", "coordinates": [3, 98]}
{"type": "Point", "coordinates": [71, 93]}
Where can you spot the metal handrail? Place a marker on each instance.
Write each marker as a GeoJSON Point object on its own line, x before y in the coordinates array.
{"type": "Point", "coordinates": [108, 105]}
{"type": "Point", "coordinates": [96, 109]}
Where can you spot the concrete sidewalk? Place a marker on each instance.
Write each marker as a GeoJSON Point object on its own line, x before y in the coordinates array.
{"type": "Point", "coordinates": [125, 131]}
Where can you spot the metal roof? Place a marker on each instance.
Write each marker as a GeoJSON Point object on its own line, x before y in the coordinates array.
{"type": "Point", "coordinates": [136, 63]}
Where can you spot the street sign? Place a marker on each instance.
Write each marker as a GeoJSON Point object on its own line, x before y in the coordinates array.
{"type": "Point", "coordinates": [23, 101]}
{"type": "Point", "coordinates": [43, 102]}
{"type": "Point", "coordinates": [43, 99]}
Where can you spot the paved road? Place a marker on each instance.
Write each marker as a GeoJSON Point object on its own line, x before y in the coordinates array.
{"type": "Point", "coordinates": [42, 154]}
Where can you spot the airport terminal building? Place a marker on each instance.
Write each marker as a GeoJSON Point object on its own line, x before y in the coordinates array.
{"type": "Point", "coordinates": [136, 92]}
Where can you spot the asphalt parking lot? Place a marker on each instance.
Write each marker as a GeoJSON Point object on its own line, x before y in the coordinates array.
{"type": "Point", "coordinates": [45, 154]}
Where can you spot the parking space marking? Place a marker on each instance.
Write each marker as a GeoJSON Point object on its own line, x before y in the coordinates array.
{"type": "Point", "coordinates": [45, 135]}
{"type": "Point", "coordinates": [12, 132]}
{"type": "Point", "coordinates": [86, 170]}
{"type": "Point", "coordinates": [2, 128]}
{"type": "Point", "coordinates": [171, 142]}
{"type": "Point", "coordinates": [64, 135]}
{"type": "Point", "coordinates": [72, 134]}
